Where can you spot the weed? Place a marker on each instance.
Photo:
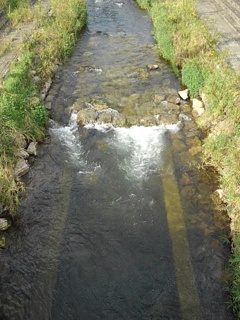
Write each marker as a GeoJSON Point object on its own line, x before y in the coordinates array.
{"type": "Point", "coordinates": [192, 77]}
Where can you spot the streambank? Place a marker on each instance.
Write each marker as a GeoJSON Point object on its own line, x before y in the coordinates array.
{"type": "Point", "coordinates": [36, 39]}
{"type": "Point", "coordinates": [192, 49]}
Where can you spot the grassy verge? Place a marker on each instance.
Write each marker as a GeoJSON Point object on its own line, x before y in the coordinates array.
{"type": "Point", "coordinates": [22, 113]}
{"type": "Point", "coordinates": [184, 40]}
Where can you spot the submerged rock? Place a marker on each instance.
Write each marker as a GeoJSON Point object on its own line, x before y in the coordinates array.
{"type": "Point", "coordinates": [2, 242]}
{"type": "Point", "coordinates": [148, 121]}
{"type": "Point", "coordinates": [86, 116]}
{"type": "Point", "coordinates": [4, 224]}
{"type": "Point", "coordinates": [152, 66]}
{"type": "Point", "coordinates": [195, 150]}
{"type": "Point", "coordinates": [168, 118]}
{"type": "Point", "coordinates": [105, 118]}
{"type": "Point", "coordinates": [197, 106]}
{"type": "Point", "coordinates": [132, 121]}
{"type": "Point", "coordinates": [32, 148]}
{"type": "Point", "coordinates": [159, 98]}
{"type": "Point", "coordinates": [193, 142]}
{"type": "Point", "coordinates": [185, 180]}
{"type": "Point", "coordinates": [119, 120]}
{"type": "Point", "coordinates": [178, 146]}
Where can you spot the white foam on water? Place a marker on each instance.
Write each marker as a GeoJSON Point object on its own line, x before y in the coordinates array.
{"type": "Point", "coordinates": [143, 147]}
{"type": "Point", "coordinates": [139, 148]}
{"type": "Point", "coordinates": [102, 127]}
{"type": "Point", "coordinates": [69, 138]}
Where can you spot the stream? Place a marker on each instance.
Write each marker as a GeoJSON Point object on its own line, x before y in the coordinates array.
{"type": "Point", "coordinates": [117, 221]}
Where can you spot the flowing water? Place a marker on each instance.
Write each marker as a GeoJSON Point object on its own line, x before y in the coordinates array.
{"type": "Point", "coordinates": [117, 222]}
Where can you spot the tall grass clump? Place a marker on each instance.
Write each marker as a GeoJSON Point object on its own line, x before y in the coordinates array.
{"type": "Point", "coordinates": [163, 32]}
{"type": "Point", "coordinates": [192, 77]}
{"type": "Point", "coordinates": [55, 38]}
{"type": "Point", "coordinates": [10, 5]}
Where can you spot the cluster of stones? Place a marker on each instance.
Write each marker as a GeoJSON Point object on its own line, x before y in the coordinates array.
{"type": "Point", "coordinates": [164, 109]}
{"type": "Point", "coordinates": [23, 155]}
{"type": "Point", "coordinates": [4, 225]}
{"type": "Point", "coordinates": [26, 151]}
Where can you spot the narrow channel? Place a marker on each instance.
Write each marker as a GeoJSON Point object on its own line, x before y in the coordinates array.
{"type": "Point", "coordinates": [117, 221]}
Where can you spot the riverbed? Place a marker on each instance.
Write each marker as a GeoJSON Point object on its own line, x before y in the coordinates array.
{"type": "Point", "coordinates": [117, 221]}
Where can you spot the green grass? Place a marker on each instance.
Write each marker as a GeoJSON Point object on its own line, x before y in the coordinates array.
{"type": "Point", "coordinates": [22, 113]}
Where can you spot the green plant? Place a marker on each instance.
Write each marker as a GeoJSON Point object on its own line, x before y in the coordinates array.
{"type": "Point", "coordinates": [221, 87]}
{"type": "Point", "coordinates": [192, 77]}
{"type": "Point", "coordinates": [39, 115]}
{"type": "Point", "coordinates": [163, 32]}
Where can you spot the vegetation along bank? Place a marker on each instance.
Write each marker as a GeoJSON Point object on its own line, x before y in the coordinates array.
{"type": "Point", "coordinates": [23, 117]}
{"type": "Point", "coordinates": [184, 40]}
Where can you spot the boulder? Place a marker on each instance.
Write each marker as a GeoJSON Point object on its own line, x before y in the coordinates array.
{"type": "Point", "coordinates": [119, 120]}
{"type": "Point", "coordinates": [77, 106]}
{"type": "Point", "coordinates": [183, 94]}
{"type": "Point", "coordinates": [21, 168]}
{"type": "Point", "coordinates": [32, 148]}
{"type": "Point", "coordinates": [86, 116]}
{"type": "Point", "coordinates": [132, 121]}
{"type": "Point", "coordinates": [197, 105]}
{"type": "Point", "coordinates": [98, 106]}
{"type": "Point", "coordinates": [168, 118]}
{"type": "Point", "coordinates": [148, 121]}
{"type": "Point", "coordinates": [105, 118]}
{"type": "Point", "coordinates": [22, 153]}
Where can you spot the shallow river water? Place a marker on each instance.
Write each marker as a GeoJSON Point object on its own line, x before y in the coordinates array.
{"type": "Point", "coordinates": [117, 222]}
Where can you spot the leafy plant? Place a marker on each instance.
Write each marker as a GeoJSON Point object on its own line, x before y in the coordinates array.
{"type": "Point", "coordinates": [39, 115]}
{"type": "Point", "coordinates": [192, 77]}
